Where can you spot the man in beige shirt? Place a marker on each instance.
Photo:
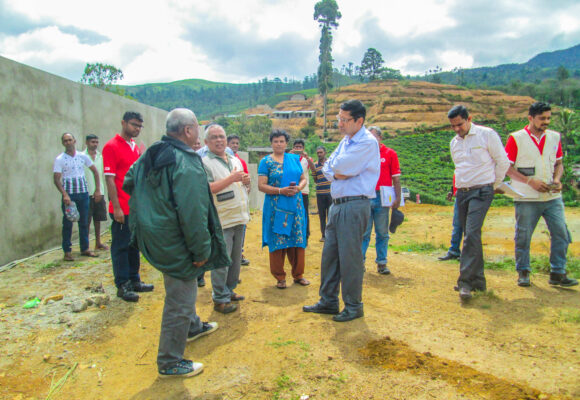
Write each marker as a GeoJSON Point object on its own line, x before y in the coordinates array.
{"type": "Point", "coordinates": [227, 182]}
{"type": "Point", "coordinates": [480, 166]}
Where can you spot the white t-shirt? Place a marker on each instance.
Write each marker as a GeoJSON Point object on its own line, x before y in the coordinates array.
{"type": "Point", "coordinates": [72, 169]}
{"type": "Point", "coordinates": [304, 163]}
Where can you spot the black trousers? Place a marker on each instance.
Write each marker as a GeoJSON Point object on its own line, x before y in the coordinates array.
{"type": "Point", "coordinates": [323, 201]}
{"type": "Point", "coordinates": [472, 206]}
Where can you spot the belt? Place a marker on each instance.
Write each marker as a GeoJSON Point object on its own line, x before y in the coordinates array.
{"type": "Point", "coordinates": [467, 189]}
{"type": "Point", "coordinates": [341, 200]}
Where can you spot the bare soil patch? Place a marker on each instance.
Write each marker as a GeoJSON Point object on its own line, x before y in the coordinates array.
{"type": "Point", "coordinates": [416, 340]}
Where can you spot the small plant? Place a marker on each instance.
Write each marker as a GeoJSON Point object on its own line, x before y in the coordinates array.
{"type": "Point", "coordinates": [47, 266]}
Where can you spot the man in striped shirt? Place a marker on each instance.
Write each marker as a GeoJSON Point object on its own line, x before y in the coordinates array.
{"type": "Point", "coordinates": [323, 198]}
{"type": "Point", "coordinates": [69, 179]}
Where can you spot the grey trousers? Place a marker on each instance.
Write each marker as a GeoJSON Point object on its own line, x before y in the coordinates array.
{"type": "Point", "coordinates": [179, 320]}
{"type": "Point", "coordinates": [224, 280]}
{"type": "Point", "coordinates": [342, 259]}
{"type": "Point", "coordinates": [472, 206]}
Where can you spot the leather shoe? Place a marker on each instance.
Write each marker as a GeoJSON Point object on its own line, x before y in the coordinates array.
{"type": "Point", "coordinates": [382, 269]}
{"type": "Point", "coordinates": [320, 309]}
{"type": "Point", "coordinates": [348, 315]}
{"type": "Point", "coordinates": [465, 294]}
{"type": "Point", "coordinates": [524, 278]}
{"type": "Point", "coordinates": [448, 256]}
{"type": "Point", "coordinates": [125, 291]}
{"type": "Point", "coordinates": [225, 308]}
{"type": "Point", "coordinates": [142, 287]}
{"type": "Point", "coordinates": [562, 280]}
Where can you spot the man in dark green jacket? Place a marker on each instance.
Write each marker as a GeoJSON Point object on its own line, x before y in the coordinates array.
{"type": "Point", "coordinates": [176, 226]}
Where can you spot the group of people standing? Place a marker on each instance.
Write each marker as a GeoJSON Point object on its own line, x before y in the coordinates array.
{"type": "Point", "coordinates": [187, 210]}
{"type": "Point", "coordinates": [532, 158]}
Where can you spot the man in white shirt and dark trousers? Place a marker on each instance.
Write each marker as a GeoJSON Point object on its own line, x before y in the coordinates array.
{"type": "Point", "coordinates": [480, 166]}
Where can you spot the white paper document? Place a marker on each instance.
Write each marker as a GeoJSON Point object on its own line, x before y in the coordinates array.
{"type": "Point", "coordinates": [509, 191]}
{"type": "Point", "coordinates": [388, 196]}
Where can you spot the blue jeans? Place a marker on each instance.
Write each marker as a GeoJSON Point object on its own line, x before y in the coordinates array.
{"type": "Point", "coordinates": [82, 202]}
{"type": "Point", "coordinates": [527, 216]}
{"type": "Point", "coordinates": [380, 217]}
{"type": "Point", "coordinates": [457, 233]}
{"type": "Point", "coordinates": [125, 258]}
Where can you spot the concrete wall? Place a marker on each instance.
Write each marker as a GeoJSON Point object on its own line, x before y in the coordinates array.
{"type": "Point", "coordinates": [36, 108]}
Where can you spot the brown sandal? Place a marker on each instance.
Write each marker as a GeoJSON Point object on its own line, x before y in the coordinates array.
{"type": "Point", "coordinates": [302, 282]}
{"type": "Point", "coordinates": [68, 257]}
{"type": "Point", "coordinates": [89, 253]}
{"type": "Point", "coordinates": [281, 284]}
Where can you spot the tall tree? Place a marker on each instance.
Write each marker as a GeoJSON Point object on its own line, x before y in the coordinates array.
{"type": "Point", "coordinates": [371, 64]}
{"type": "Point", "coordinates": [101, 75]}
{"type": "Point", "coordinates": [327, 14]}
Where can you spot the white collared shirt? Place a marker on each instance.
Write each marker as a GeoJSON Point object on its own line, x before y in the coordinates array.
{"type": "Point", "coordinates": [479, 158]}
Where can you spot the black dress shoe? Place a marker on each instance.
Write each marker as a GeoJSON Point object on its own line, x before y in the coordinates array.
{"type": "Point", "coordinates": [348, 315]}
{"type": "Point", "coordinates": [142, 287]}
{"type": "Point", "coordinates": [320, 309]}
{"type": "Point", "coordinates": [465, 294]}
{"type": "Point", "coordinates": [125, 291]}
{"type": "Point", "coordinates": [448, 256]}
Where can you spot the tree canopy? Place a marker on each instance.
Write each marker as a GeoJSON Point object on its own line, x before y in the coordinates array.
{"type": "Point", "coordinates": [372, 64]}
{"type": "Point", "coordinates": [101, 75]}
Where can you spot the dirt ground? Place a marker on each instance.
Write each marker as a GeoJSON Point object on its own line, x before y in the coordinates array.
{"type": "Point", "coordinates": [416, 340]}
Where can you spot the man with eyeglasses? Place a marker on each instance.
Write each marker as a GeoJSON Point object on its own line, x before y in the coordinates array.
{"type": "Point", "coordinates": [353, 170]}
{"type": "Point", "coordinates": [480, 166]}
{"type": "Point", "coordinates": [119, 154]}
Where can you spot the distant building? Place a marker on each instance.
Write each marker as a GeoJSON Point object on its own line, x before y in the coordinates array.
{"type": "Point", "coordinates": [305, 114]}
{"type": "Point", "coordinates": [294, 114]}
{"type": "Point", "coordinates": [283, 114]}
{"type": "Point", "coordinates": [298, 97]}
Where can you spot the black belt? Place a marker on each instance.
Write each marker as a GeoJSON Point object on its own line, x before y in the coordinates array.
{"type": "Point", "coordinates": [341, 200]}
{"type": "Point", "coordinates": [467, 189]}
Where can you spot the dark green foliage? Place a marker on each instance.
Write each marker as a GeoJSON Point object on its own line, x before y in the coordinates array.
{"type": "Point", "coordinates": [208, 99]}
{"type": "Point", "coordinates": [551, 77]}
{"type": "Point", "coordinates": [371, 64]}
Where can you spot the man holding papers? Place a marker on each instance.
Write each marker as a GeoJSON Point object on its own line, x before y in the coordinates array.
{"type": "Point", "coordinates": [388, 191]}
{"type": "Point", "coordinates": [535, 154]}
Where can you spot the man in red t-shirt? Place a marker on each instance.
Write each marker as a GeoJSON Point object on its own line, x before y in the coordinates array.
{"type": "Point", "coordinates": [118, 155]}
{"type": "Point", "coordinates": [234, 144]}
{"type": "Point", "coordinates": [390, 176]}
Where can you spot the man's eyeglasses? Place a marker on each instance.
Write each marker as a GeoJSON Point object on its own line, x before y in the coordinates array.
{"type": "Point", "coordinates": [134, 125]}
{"type": "Point", "coordinates": [343, 120]}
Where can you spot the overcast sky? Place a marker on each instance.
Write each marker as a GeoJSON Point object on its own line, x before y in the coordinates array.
{"type": "Point", "coordinates": [244, 41]}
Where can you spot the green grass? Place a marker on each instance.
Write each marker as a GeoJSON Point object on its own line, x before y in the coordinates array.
{"type": "Point", "coordinates": [48, 266]}
{"type": "Point", "coordinates": [572, 316]}
{"type": "Point", "coordinates": [279, 344]}
{"type": "Point", "coordinates": [538, 263]}
{"type": "Point", "coordinates": [417, 247]}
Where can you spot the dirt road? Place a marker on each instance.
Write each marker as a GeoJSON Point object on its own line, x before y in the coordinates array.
{"type": "Point", "coordinates": [416, 340]}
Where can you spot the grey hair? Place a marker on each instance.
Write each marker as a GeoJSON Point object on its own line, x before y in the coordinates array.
{"type": "Point", "coordinates": [376, 129]}
{"type": "Point", "coordinates": [178, 119]}
{"type": "Point", "coordinates": [212, 127]}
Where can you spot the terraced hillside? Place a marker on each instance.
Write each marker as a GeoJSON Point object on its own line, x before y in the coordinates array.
{"type": "Point", "coordinates": [404, 107]}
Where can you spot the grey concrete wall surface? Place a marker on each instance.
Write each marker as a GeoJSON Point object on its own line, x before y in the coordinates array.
{"type": "Point", "coordinates": [36, 108]}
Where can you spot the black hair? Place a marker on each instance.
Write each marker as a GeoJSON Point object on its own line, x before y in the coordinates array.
{"type": "Point", "coordinates": [232, 137]}
{"type": "Point", "coordinates": [458, 110]}
{"type": "Point", "coordinates": [538, 108]}
{"type": "Point", "coordinates": [129, 115]}
{"type": "Point", "coordinates": [300, 141]}
{"type": "Point", "coordinates": [91, 136]}
{"type": "Point", "coordinates": [277, 133]}
{"type": "Point", "coordinates": [355, 108]}
{"type": "Point", "coordinates": [321, 148]}
{"type": "Point", "coordinates": [67, 133]}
